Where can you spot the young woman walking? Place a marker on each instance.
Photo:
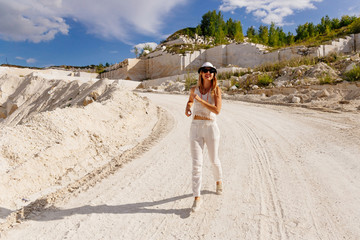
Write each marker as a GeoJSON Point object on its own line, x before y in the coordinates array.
{"type": "Point", "coordinates": [206, 98]}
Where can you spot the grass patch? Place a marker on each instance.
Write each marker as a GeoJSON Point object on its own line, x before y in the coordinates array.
{"type": "Point", "coordinates": [264, 80]}
{"type": "Point", "coordinates": [353, 75]}
{"type": "Point", "coordinates": [229, 74]}
{"type": "Point", "coordinates": [184, 48]}
{"type": "Point", "coordinates": [294, 62]}
{"type": "Point", "coordinates": [326, 79]}
{"type": "Point", "coordinates": [225, 75]}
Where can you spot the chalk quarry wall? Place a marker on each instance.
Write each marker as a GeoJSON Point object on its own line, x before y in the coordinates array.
{"type": "Point", "coordinates": [160, 64]}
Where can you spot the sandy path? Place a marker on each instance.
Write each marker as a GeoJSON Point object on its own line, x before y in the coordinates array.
{"type": "Point", "coordinates": [290, 173]}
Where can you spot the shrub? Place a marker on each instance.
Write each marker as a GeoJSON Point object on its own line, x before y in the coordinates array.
{"type": "Point", "coordinates": [229, 74]}
{"type": "Point", "coordinates": [353, 75]}
{"type": "Point", "coordinates": [331, 58]}
{"type": "Point", "coordinates": [224, 75]}
{"type": "Point", "coordinates": [234, 82]}
{"type": "Point", "coordinates": [326, 79]}
{"type": "Point", "coordinates": [264, 80]}
{"type": "Point", "coordinates": [190, 80]}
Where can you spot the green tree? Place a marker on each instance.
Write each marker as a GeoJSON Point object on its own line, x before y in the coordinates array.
{"type": "Point", "coordinates": [230, 25]}
{"type": "Point", "coordinates": [208, 23]}
{"type": "Point", "coordinates": [301, 32]}
{"type": "Point", "coordinates": [335, 23]}
{"type": "Point", "coordinates": [346, 20]}
{"type": "Point", "coordinates": [311, 29]}
{"type": "Point", "coordinates": [220, 37]}
{"type": "Point", "coordinates": [146, 47]}
{"type": "Point", "coordinates": [198, 30]}
{"type": "Point", "coordinates": [136, 51]}
{"type": "Point", "coordinates": [239, 36]}
{"type": "Point", "coordinates": [251, 34]}
{"type": "Point", "coordinates": [234, 29]}
{"type": "Point", "coordinates": [282, 37]}
{"type": "Point", "coordinates": [325, 25]}
{"type": "Point", "coordinates": [273, 36]}
{"type": "Point", "coordinates": [212, 29]}
{"type": "Point", "coordinates": [263, 34]}
{"type": "Point", "coordinates": [220, 24]}
{"type": "Point", "coordinates": [355, 26]}
{"type": "Point", "coordinates": [100, 68]}
{"type": "Point", "coordinates": [290, 38]}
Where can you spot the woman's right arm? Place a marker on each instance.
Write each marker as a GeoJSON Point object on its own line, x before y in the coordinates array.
{"type": "Point", "coordinates": [190, 102]}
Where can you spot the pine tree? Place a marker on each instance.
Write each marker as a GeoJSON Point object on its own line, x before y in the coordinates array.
{"type": "Point", "coordinates": [136, 51]}
{"type": "Point", "coordinates": [239, 36]}
{"type": "Point", "coordinates": [263, 34]}
{"type": "Point", "coordinates": [273, 36]}
{"type": "Point", "coordinates": [198, 30]}
{"type": "Point", "coordinates": [251, 34]}
{"type": "Point", "coordinates": [290, 38]}
{"type": "Point", "coordinates": [282, 37]}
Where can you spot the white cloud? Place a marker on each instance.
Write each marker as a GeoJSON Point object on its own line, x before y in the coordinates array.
{"type": "Point", "coordinates": [141, 46]}
{"type": "Point", "coordinates": [41, 20]}
{"type": "Point", "coordinates": [31, 60]}
{"type": "Point", "coordinates": [353, 11]}
{"type": "Point", "coordinates": [30, 20]}
{"type": "Point", "coordinates": [269, 11]}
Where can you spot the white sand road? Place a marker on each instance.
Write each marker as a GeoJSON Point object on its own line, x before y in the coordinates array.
{"type": "Point", "coordinates": [289, 173]}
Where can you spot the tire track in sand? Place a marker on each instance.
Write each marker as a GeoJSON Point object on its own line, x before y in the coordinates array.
{"type": "Point", "coordinates": [271, 221]}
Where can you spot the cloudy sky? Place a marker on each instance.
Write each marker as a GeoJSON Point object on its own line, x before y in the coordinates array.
{"type": "Point", "coordinates": [42, 33]}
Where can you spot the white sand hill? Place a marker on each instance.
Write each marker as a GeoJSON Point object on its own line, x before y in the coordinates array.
{"type": "Point", "coordinates": [49, 138]}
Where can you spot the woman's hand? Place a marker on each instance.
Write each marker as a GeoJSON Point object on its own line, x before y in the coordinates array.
{"type": "Point", "coordinates": [188, 111]}
{"type": "Point", "coordinates": [190, 102]}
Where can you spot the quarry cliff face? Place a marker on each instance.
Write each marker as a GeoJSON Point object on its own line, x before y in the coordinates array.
{"type": "Point", "coordinates": [161, 63]}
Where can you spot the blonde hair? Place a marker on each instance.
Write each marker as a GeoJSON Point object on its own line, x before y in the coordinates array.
{"type": "Point", "coordinates": [214, 85]}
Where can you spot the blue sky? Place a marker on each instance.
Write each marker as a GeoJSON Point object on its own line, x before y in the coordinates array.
{"type": "Point", "coordinates": [43, 33]}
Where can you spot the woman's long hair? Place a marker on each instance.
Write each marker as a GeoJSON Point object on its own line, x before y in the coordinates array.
{"type": "Point", "coordinates": [213, 84]}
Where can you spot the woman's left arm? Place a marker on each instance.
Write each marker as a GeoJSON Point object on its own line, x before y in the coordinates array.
{"type": "Point", "coordinates": [217, 99]}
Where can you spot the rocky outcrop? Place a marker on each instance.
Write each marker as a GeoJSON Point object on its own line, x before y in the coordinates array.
{"type": "Point", "coordinates": [161, 63]}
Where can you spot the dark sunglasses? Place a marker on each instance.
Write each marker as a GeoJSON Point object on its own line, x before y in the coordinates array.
{"type": "Point", "coordinates": [211, 70]}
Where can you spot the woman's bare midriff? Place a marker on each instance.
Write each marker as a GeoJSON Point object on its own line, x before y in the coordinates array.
{"type": "Point", "coordinates": [196, 117]}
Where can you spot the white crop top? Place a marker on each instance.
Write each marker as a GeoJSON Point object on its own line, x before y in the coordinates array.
{"type": "Point", "coordinates": [199, 109]}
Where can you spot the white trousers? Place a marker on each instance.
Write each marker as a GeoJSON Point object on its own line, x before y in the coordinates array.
{"type": "Point", "coordinates": [204, 132]}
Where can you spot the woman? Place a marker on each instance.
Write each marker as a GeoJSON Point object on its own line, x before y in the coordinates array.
{"type": "Point", "coordinates": [206, 98]}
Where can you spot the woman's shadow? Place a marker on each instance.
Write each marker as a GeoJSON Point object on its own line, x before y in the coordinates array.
{"type": "Point", "coordinates": [131, 208]}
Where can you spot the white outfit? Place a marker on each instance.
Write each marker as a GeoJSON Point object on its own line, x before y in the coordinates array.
{"type": "Point", "coordinates": [204, 132]}
{"type": "Point", "coordinates": [199, 109]}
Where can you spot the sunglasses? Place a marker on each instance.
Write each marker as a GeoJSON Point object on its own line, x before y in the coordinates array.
{"type": "Point", "coordinates": [211, 70]}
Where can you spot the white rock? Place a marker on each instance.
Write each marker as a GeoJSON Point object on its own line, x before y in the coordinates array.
{"type": "Point", "coordinates": [234, 78]}
{"type": "Point", "coordinates": [323, 94]}
{"type": "Point", "coordinates": [175, 87]}
{"type": "Point", "coordinates": [350, 67]}
{"type": "Point", "coordinates": [226, 83]}
{"type": "Point", "coordinates": [295, 99]}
